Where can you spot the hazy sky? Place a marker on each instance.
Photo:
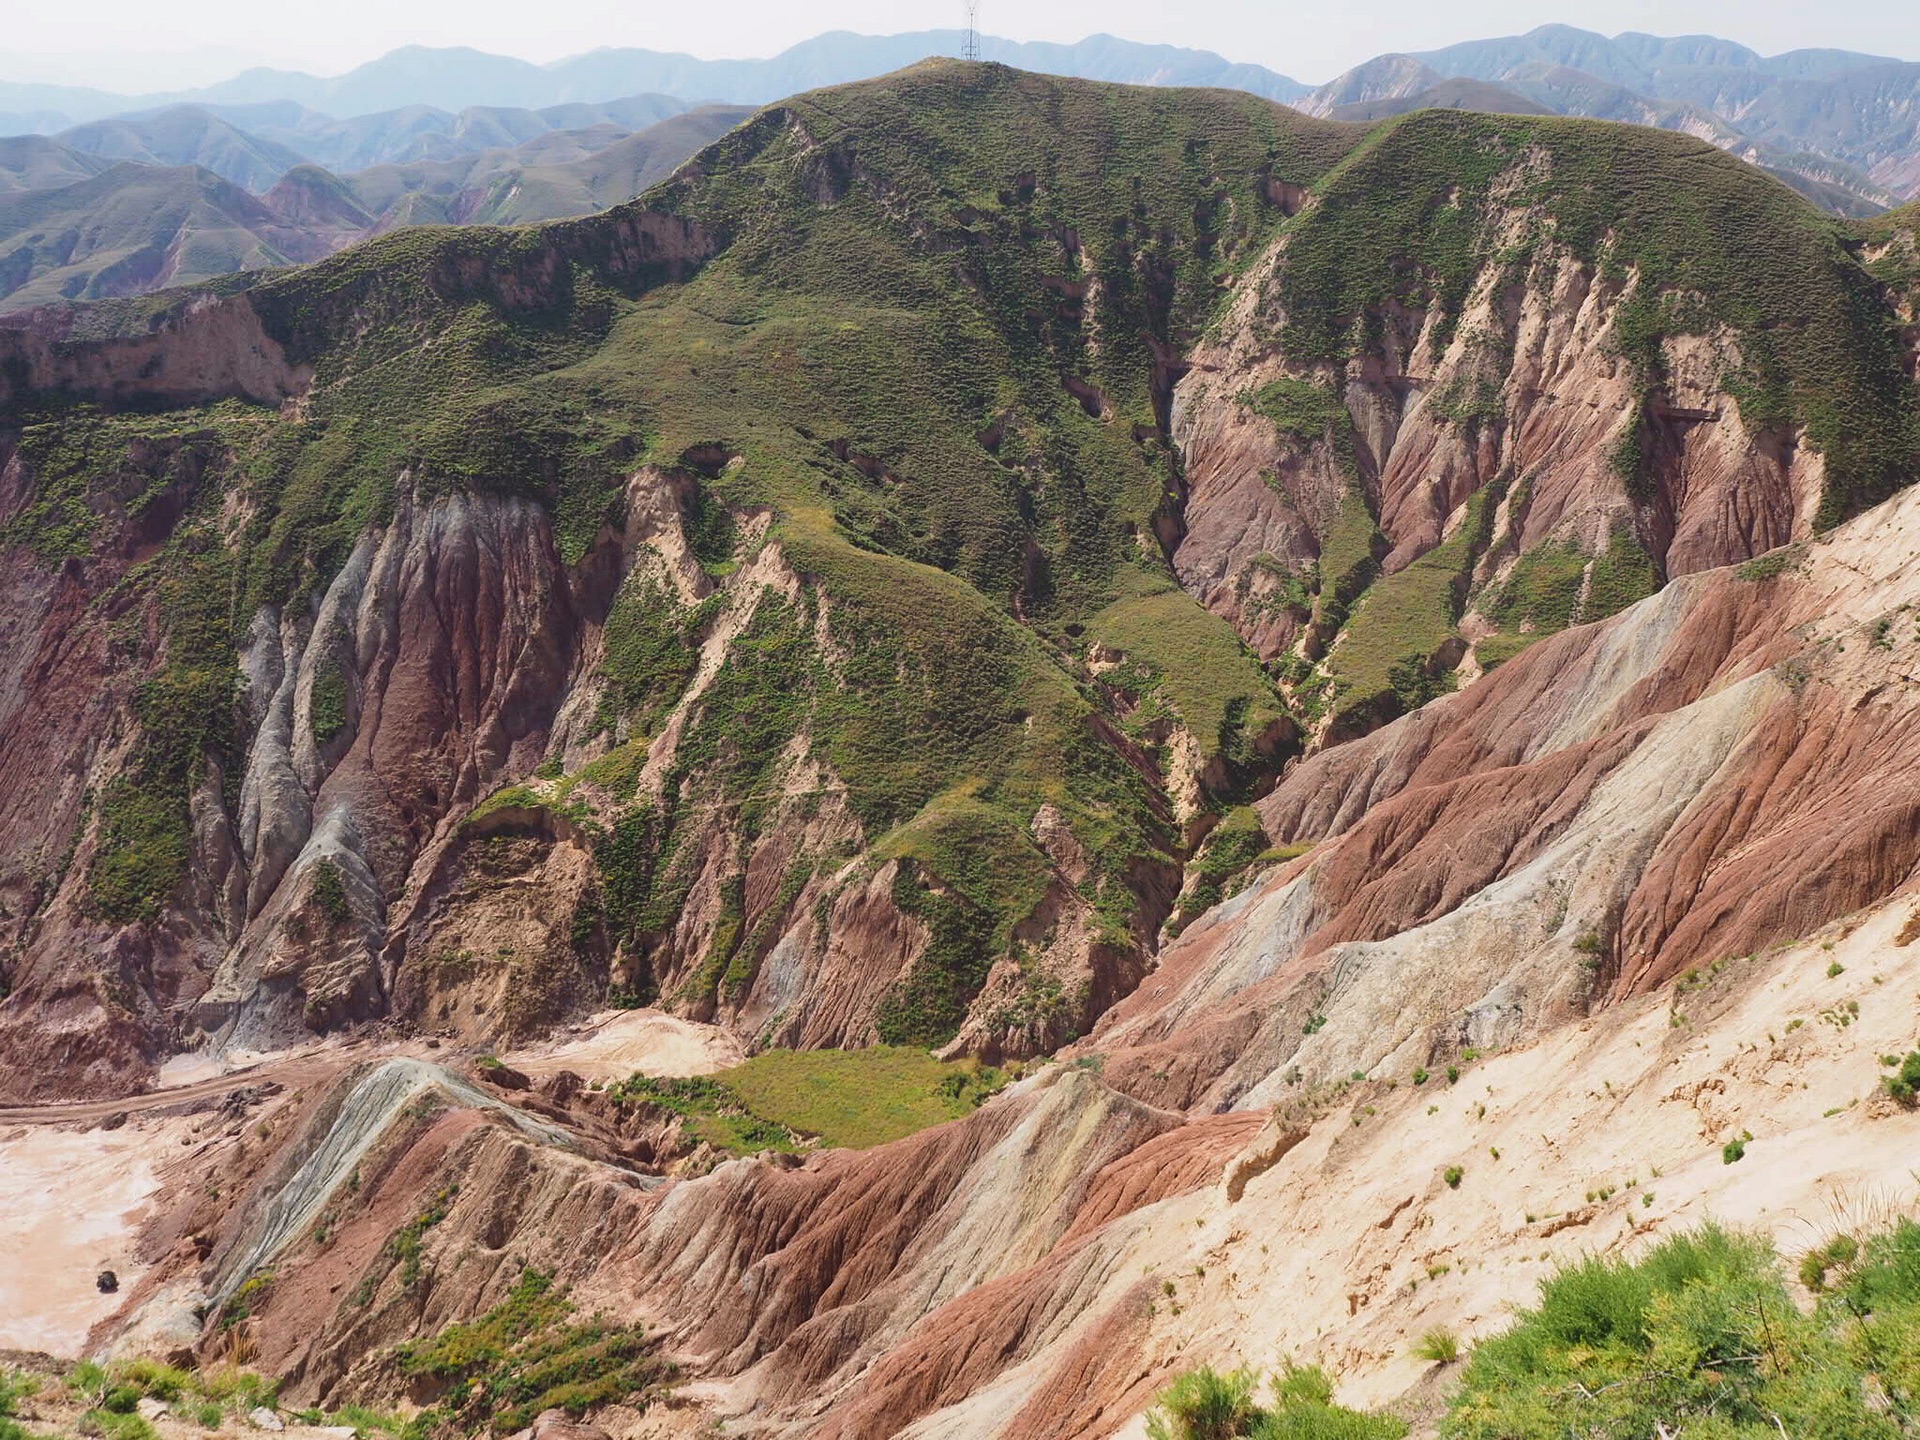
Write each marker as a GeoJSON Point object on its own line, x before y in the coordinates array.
{"type": "Point", "coordinates": [135, 44]}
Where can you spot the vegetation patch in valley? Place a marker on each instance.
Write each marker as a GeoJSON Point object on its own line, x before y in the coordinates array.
{"type": "Point", "coordinates": [1233, 852]}
{"type": "Point", "coordinates": [1392, 649]}
{"type": "Point", "coordinates": [1199, 666]}
{"type": "Point", "coordinates": [788, 1099]}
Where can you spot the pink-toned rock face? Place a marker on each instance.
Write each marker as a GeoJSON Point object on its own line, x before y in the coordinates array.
{"type": "Point", "coordinates": [1528, 390]}
{"type": "Point", "coordinates": [215, 349]}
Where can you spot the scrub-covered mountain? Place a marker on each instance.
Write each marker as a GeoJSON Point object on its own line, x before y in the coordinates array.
{"type": "Point", "coordinates": [869, 405]}
{"type": "Point", "coordinates": [843, 593]}
{"type": "Point", "coordinates": [1615, 943]}
{"type": "Point", "coordinates": [842, 596]}
{"type": "Point", "coordinates": [135, 228]}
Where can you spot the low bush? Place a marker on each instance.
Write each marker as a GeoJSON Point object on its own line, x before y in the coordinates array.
{"type": "Point", "coordinates": [1904, 1084]}
{"type": "Point", "coordinates": [15, 1386]}
{"type": "Point", "coordinates": [1206, 1405]}
{"type": "Point", "coordinates": [1701, 1338]}
{"type": "Point", "coordinates": [528, 1354]}
{"type": "Point", "coordinates": [1697, 1340]}
{"type": "Point", "coordinates": [1439, 1346]}
{"type": "Point", "coordinates": [112, 1425]}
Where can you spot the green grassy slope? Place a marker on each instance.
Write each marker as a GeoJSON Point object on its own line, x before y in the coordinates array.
{"type": "Point", "coordinates": [844, 1099]}
{"type": "Point", "coordinates": [125, 229]}
{"type": "Point", "coordinates": [36, 162]}
{"type": "Point", "coordinates": [521, 185]}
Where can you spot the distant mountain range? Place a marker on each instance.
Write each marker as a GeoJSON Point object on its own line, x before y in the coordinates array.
{"type": "Point", "coordinates": [1840, 126]}
{"type": "Point", "coordinates": [131, 205]}
{"type": "Point", "coordinates": [103, 193]}
{"type": "Point", "coordinates": [457, 78]}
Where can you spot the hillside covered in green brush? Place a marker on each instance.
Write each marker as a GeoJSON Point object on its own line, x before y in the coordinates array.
{"type": "Point", "coordinates": [855, 590]}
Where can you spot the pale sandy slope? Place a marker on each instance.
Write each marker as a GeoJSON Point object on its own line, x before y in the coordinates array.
{"type": "Point", "coordinates": [1352, 1245]}
{"type": "Point", "coordinates": [615, 1044]}
{"type": "Point", "coordinates": [70, 1206]}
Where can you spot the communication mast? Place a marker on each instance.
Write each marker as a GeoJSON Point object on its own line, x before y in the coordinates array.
{"type": "Point", "coordinates": [970, 47]}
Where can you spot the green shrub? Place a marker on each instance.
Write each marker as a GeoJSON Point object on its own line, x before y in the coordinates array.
{"type": "Point", "coordinates": [1771, 564]}
{"type": "Point", "coordinates": [1453, 1176]}
{"type": "Point", "coordinates": [1439, 1346]}
{"type": "Point", "coordinates": [1205, 1405]}
{"type": "Point", "coordinates": [328, 705]}
{"type": "Point", "coordinates": [1904, 1084]}
{"type": "Point", "coordinates": [253, 1291]}
{"type": "Point", "coordinates": [529, 1354]}
{"type": "Point", "coordinates": [15, 1385]}
{"type": "Point", "coordinates": [1302, 1385]}
{"type": "Point", "coordinates": [1701, 1337]}
{"type": "Point", "coordinates": [330, 893]}
{"type": "Point", "coordinates": [90, 1379]}
{"type": "Point", "coordinates": [1733, 1151]}
{"type": "Point", "coordinates": [1838, 1253]}
{"type": "Point", "coordinates": [155, 1378]}
{"type": "Point", "coordinates": [243, 1390]}
{"type": "Point", "coordinates": [113, 1425]}
{"type": "Point", "coordinates": [1309, 1421]}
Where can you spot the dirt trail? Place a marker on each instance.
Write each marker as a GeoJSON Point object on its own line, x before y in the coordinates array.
{"type": "Point", "coordinates": [294, 1072]}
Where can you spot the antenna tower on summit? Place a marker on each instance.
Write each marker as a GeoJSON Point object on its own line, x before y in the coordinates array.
{"type": "Point", "coordinates": [970, 47]}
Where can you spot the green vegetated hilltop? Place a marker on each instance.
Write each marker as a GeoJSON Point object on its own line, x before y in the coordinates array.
{"type": "Point", "coordinates": [930, 327]}
{"type": "Point", "coordinates": [894, 349]}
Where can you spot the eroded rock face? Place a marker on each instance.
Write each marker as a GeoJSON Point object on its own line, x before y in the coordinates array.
{"type": "Point", "coordinates": [507, 653]}
{"type": "Point", "coordinates": [349, 873]}
{"type": "Point", "coordinates": [1473, 443]}
{"type": "Point", "coordinates": [1500, 890]}
{"type": "Point", "coordinates": [432, 817]}
{"type": "Point", "coordinates": [215, 348]}
{"type": "Point", "coordinates": [445, 642]}
{"type": "Point", "coordinates": [1708, 774]}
